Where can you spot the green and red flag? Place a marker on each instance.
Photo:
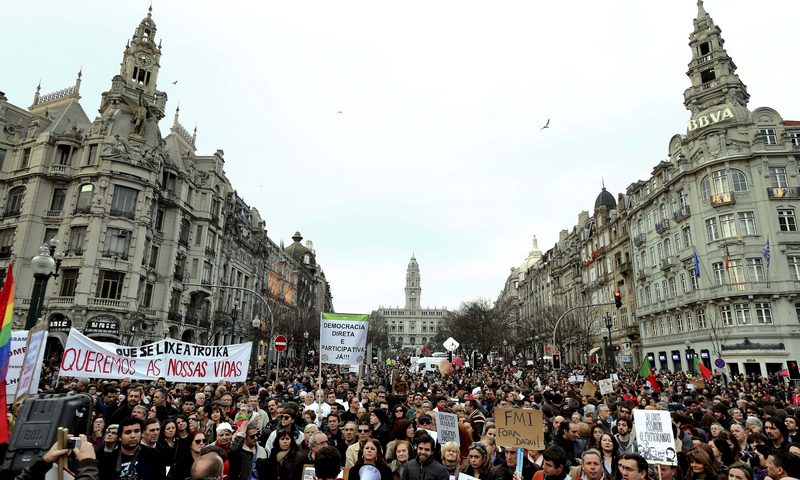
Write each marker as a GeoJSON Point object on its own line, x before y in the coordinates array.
{"type": "Point", "coordinates": [646, 371]}
{"type": "Point", "coordinates": [702, 369]}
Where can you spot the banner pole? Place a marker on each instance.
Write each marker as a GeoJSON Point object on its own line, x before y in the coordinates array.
{"type": "Point", "coordinates": [319, 352]}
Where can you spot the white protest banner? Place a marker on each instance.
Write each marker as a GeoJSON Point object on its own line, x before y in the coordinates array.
{"type": "Point", "coordinates": [654, 436]}
{"type": "Point", "coordinates": [172, 359]}
{"type": "Point", "coordinates": [18, 340]}
{"type": "Point", "coordinates": [606, 386]}
{"type": "Point", "coordinates": [447, 428]}
{"type": "Point", "coordinates": [31, 370]}
{"type": "Point", "coordinates": [343, 338]}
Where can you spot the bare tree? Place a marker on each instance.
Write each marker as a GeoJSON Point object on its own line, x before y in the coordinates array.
{"type": "Point", "coordinates": [717, 332]}
{"type": "Point", "coordinates": [378, 332]}
{"type": "Point", "coordinates": [479, 325]}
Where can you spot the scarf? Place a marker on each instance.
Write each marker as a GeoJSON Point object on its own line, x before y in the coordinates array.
{"type": "Point", "coordinates": [282, 455]}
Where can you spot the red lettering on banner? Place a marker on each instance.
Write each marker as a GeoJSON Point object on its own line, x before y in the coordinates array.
{"type": "Point", "coordinates": [153, 368]}
{"type": "Point", "coordinates": [186, 368]}
{"type": "Point", "coordinates": [227, 369]}
{"type": "Point", "coordinates": [75, 360]}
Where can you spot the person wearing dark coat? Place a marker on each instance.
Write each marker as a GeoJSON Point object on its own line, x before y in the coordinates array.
{"type": "Point", "coordinates": [285, 461]}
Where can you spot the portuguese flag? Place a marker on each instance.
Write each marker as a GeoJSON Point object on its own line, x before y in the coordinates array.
{"type": "Point", "coordinates": [647, 373]}
{"type": "Point", "coordinates": [702, 369]}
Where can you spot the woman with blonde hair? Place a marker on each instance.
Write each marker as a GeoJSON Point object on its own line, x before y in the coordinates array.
{"type": "Point", "coordinates": [451, 458]}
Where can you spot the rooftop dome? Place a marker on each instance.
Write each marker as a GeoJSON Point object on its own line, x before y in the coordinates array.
{"type": "Point", "coordinates": [605, 199]}
{"type": "Point", "coordinates": [299, 252]}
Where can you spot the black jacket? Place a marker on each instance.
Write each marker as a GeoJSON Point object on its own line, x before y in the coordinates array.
{"type": "Point", "coordinates": [428, 470]}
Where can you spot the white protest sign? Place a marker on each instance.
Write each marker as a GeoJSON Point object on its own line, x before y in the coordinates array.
{"type": "Point", "coordinates": [447, 428]}
{"type": "Point", "coordinates": [31, 370]}
{"type": "Point", "coordinates": [654, 436]}
{"type": "Point", "coordinates": [606, 386]}
{"type": "Point", "coordinates": [343, 338]}
{"type": "Point", "coordinates": [18, 340]}
{"type": "Point", "coordinates": [172, 359]}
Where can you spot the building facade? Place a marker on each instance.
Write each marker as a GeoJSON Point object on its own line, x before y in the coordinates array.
{"type": "Point", "coordinates": [413, 327]}
{"type": "Point", "coordinates": [146, 223]}
{"type": "Point", "coordinates": [714, 229]}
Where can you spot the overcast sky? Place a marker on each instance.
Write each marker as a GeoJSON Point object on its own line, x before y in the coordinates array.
{"type": "Point", "coordinates": [437, 150]}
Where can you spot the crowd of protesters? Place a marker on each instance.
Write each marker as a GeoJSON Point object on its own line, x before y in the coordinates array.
{"type": "Point", "coordinates": [383, 426]}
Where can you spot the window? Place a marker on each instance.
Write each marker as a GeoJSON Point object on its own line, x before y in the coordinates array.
{"type": "Point", "coordinates": [739, 181]}
{"type": "Point", "coordinates": [124, 202]}
{"type": "Point", "coordinates": [653, 328]}
{"type": "Point", "coordinates": [755, 269]}
{"type": "Point", "coordinates": [687, 236]}
{"type": "Point", "coordinates": [661, 326]}
{"type": "Point", "coordinates": [159, 225]}
{"type": "Point", "coordinates": [653, 256]}
{"type": "Point", "coordinates": [183, 236]}
{"type": "Point", "coordinates": [657, 291]}
{"type": "Point", "coordinates": [7, 241]}
{"type": "Point", "coordinates": [109, 285]}
{"type": "Point", "coordinates": [647, 295]}
{"type": "Point", "coordinates": [743, 316]}
{"type": "Point", "coordinates": [2, 157]}
{"type": "Point", "coordinates": [794, 266]}
{"type": "Point", "coordinates": [117, 243]}
{"type": "Point", "coordinates": [726, 314]}
{"type": "Point", "coordinates": [689, 322]}
{"type": "Point", "coordinates": [768, 134]}
{"type": "Point", "coordinates": [679, 323]}
{"type": "Point", "coordinates": [712, 230]}
{"type": "Point", "coordinates": [693, 279]}
{"type": "Point", "coordinates": [684, 287]}
{"type": "Point", "coordinates": [207, 272]}
{"type": "Point", "coordinates": [786, 220]}
{"type": "Point", "coordinates": [747, 223]}
{"type": "Point", "coordinates": [175, 301]}
{"type": "Point", "coordinates": [180, 267]}
{"type": "Point", "coordinates": [91, 158]}
{"type": "Point", "coordinates": [69, 282]}
{"type": "Point", "coordinates": [169, 181]}
{"type": "Point", "coordinates": [777, 177]}
{"type": "Point", "coordinates": [199, 235]}
{"type": "Point", "coordinates": [26, 158]}
{"type": "Point", "coordinates": [794, 137]}
{"type": "Point", "coordinates": [669, 325]}
{"type": "Point", "coordinates": [673, 289]}
{"type": "Point", "coordinates": [719, 182]}
{"type": "Point", "coordinates": [154, 256]}
{"type": "Point", "coordinates": [59, 196]}
{"type": "Point", "coordinates": [735, 271]}
{"type": "Point", "coordinates": [85, 194]}
{"type": "Point", "coordinates": [76, 237]}
{"type": "Point", "coordinates": [727, 225]}
{"type": "Point", "coordinates": [14, 202]}
{"type": "Point", "coordinates": [763, 313]}
{"type": "Point", "coordinates": [719, 272]}
{"type": "Point", "coordinates": [211, 240]}
{"type": "Point", "coordinates": [677, 239]}
{"type": "Point", "coordinates": [148, 295]}
{"type": "Point", "coordinates": [667, 248]}
{"type": "Point", "coordinates": [63, 154]}
{"type": "Point", "coordinates": [701, 318]}
{"type": "Point", "coordinates": [49, 234]}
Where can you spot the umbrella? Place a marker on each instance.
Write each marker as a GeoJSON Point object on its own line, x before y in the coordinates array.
{"type": "Point", "coordinates": [458, 362]}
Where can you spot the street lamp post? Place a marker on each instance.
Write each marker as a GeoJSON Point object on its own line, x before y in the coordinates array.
{"type": "Point", "coordinates": [256, 324]}
{"type": "Point", "coordinates": [44, 266]}
{"type": "Point", "coordinates": [690, 356]}
{"type": "Point", "coordinates": [305, 348]}
{"type": "Point", "coordinates": [610, 355]}
{"type": "Point", "coordinates": [261, 299]}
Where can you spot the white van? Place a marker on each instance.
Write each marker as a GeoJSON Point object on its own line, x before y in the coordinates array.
{"type": "Point", "coordinates": [430, 364]}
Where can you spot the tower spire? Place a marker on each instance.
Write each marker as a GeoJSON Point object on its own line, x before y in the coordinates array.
{"type": "Point", "coordinates": [413, 287]}
{"type": "Point", "coordinates": [715, 84]}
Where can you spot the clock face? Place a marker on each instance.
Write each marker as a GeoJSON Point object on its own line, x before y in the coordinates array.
{"type": "Point", "coordinates": [144, 59]}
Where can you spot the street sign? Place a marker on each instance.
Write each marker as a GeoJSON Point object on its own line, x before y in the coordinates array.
{"type": "Point", "coordinates": [451, 344]}
{"type": "Point", "coordinates": [280, 343]}
{"type": "Point", "coordinates": [720, 363]}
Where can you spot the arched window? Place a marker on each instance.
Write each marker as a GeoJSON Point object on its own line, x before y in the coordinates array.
{"type": "Point", "coordinates": [85, 193]}
{"type": "Point", "coordinates": [14, 201]}
{"type": "Point", "coordinates": [424, 340]}
{"type": "Point", "coordinates": [411, 340]}
{"type": "Point", "coordinates": [739, 180]}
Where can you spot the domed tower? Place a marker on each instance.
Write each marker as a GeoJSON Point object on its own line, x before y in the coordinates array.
{"type": "Point", "coordinates": [413, 288]}
{"type": "Point", "coordinates": [301, 253]}
{"type": "Point", "coordinates": [605, 199]}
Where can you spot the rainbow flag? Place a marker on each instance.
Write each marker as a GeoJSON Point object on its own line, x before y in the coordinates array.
{"type": "Point", "coordinates": [7, 312]}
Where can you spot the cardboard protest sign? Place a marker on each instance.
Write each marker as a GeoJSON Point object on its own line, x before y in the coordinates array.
{"type": "Point", "coordinates": [588, 389]}
{"type": "Point", "coordinates": [447, 428]}
{"type": "Point", "coordinates": [654, 436]}
{"type": "Point", "coordinates": [519, 428]}
{"type": "Point", "coordinates": [343, 338]}
{"type": "Point", "coordinates": [606, 386]}
{"type": "Point", "coordinates": [172, 359]}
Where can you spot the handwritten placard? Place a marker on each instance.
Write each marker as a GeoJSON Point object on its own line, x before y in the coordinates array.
{"type": "Point", "coordinates": [447, 428]}
{"type": "Point", "coordinates": [588, 389]}
{"type": "Point", "coordinates": [520, 428]}
{"type": "Point", "coordinates": [654, 436]}
{"type": "Point", "coordinates": [606, 386]}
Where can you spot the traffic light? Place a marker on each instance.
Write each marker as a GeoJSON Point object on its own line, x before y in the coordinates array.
{"type": "Point", "coordinates": [618, 298]}
{"type": "Point", "coordinates": [617, 348]}
{"type": "Point", "coordinates": [556, 361]}
{"type": "Point", "coordinates": [794, 371]}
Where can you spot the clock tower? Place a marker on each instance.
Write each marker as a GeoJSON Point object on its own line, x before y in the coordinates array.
{"type": "Point", "coordinates": [140, 62]}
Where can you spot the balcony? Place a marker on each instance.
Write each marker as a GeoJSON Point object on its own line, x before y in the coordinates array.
{"type": "Point", "coordinates": [12, 212]}
{"type": "Point", "coordinates": [667, 263]}
{"type": "Point", "coordinates": [662, 227]}
{"type": "Point", "coordinates": [53, 214]}
{"type": "Point", "coordinates": [115, 255]}
{"type": "Point", "coordinates": [720, 199]}
{"type": "Point", "coordinates": [682, 214]}
{"type": "Point", "coordinates": [211, 251]}
{"type": "Point", "coordinates": [118, 212]}
{"type": "Point", "coordinates": [783, 192]}
{"type": "Point", "coordinates": [60, 301]}
{"type": "Point", "coordinates": [84, 209]}
{"type": "Point", "coordinates": [148, 312]}
{"type": "Point", "coordinates": [215, 219]}
{"type": "Point", "coordinates": [184, 241]}
{"type": "Point", "coordinates": [638, 240]}
{"type": "Point", "coordinates": [178, 275]}
{"type": "Point", "coordinates": [59, 170]}
{"type": "Point", "coordinates": [624, 266]}
{"type": "Point", "coordinates": [174, 316]}
{"type": "Point", "coordinates": [170, 198]}
{"type": "Point", "coordinates": [192, 320]}
{"type": "Point", "coordinates": [109, 303]}
{"type": "Point", "coordinates": [641, 274]}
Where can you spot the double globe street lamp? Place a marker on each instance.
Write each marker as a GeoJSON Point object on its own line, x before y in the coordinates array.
{"type": "Point", "coordinates": [45, 265]}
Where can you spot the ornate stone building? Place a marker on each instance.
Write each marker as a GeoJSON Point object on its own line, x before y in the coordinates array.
{"type": "Point", "coordinates": [413, 326]}
{"type": "Point", "coordinates": [146, 223]}
{"type": "Point", "coordinates": [714, 229]}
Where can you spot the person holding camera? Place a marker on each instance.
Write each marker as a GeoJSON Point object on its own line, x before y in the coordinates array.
{"type": "Point", "coordinates": [84, 453]}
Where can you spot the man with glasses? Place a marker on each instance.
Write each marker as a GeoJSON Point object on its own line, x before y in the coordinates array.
{"type": "Point", "coordinates": [286, 421]}
{"type": "Point", "coordinates": [364, 433]}
{"type": "Point", "coordinates": [317, 441]}
{"type": "Point", "coordinates": [245, 452]}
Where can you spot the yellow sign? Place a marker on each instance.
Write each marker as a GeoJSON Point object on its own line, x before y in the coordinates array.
{"type": "Point", "coordinates": [710, 119]}
{"type": "Point", "coordinates": [519, 428]}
